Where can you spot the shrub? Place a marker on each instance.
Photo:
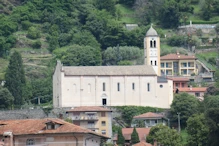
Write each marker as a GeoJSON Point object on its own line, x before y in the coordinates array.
{"type": "Point", "coordinates": [26, 24]}
{"type": "Point", "coordinates": [33, 33]}
{"type": "Point", "coordinates": [37, 44]}
{"type": "Point", "coordinates": [176, 41]}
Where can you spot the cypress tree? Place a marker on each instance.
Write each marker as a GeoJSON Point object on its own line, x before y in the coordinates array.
{"type": "Point", "coordinates": [121, 139]}
{"type": "Point", "coordinates": [134, 137]}
{"type": "Point", "coordinates": [15, 78]}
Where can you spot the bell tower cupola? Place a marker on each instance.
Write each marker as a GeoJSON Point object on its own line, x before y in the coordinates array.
{"type": "Point", "coordinates": [152, 50]}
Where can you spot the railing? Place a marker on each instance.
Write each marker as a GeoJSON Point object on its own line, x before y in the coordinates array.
{"type": "Point", "coordinates": [91, 126]}
{"type": "Point", "coordinates": [85, 118]}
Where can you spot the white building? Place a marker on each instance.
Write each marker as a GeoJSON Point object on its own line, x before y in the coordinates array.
{"type": "Point", "coordinates": [114, 85]}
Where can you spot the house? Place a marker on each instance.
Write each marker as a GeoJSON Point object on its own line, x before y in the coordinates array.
{"type": "Point", "coordinates": [149, 119]}
{"type": "Point", "coordinates": [138, 85]}
{"type": "Point", "coordinates": [127, 132]}
{"type": "Point", "coordinates": [95, 118]}
{"type": "Point", "coordinates": [195, 91]}
{"type": "Point", "coordinates": [178, 64]}
{"type": "Point", "coordinates": [47, 132]}
{"type": "Point", "coordinates": [179, 82]}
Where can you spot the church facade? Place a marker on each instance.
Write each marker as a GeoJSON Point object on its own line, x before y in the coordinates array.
{"type": "Point", "coordinates": [115, 85]}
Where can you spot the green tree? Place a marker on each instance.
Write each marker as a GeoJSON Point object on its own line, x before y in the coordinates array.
{"type": "Point", "coordinates": [6, 99]}
{"type": "Point", "coordinates": [15, 78]}
{"type": "Point", "coordinates": [134, 136]}
{"type": "Point", "coordinates": [164, 136]}
{"type": "Point", "coordinates": [33, 33]}
{"type": "Point", "coordinates": [108, 5]}
{"type": "Point", "coordinates": [186, 105]}
{"type": "Point", "coordinates": [212, 116]}
{"type": "Point", "coordinates": [120, 137]}
{"type": "Point", "coordinates": [76, 55]}
{"type": "Point", "coordinates": [197, 130]}
{"type": "Point", "coordinates": [169, 14]}
{"type": "Point", "coordinates": [114, 55]}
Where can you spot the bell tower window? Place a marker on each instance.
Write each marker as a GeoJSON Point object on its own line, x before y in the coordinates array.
{"type": "Point", "coordinates": [151, 44]}
{"type": "Point", "coordinates": [154, 44]}
{"type": "Point", "coordinates": [155, 63]}
{"type": "Point", "coordinates": [151, 62]}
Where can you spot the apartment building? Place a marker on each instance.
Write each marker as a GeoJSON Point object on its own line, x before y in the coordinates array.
{"type": "Point", "coordinates": [178, 64]}
{"type": "Point", "coordinates": [95, 118]}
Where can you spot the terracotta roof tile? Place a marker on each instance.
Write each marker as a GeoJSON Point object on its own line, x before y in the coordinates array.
{"type": "Point", "coordinates": [142, 133]}
{"type": "Point", "coordinates": [177, 57]}
{"type": "Point", "coordinates": [142, 144]}
{"type": "Point", "coordinates": [89, 109]}
{"type": "Point", "coordinates": [149, 115]}
{"type": "Point", "coordinates": [38, 126]}
{"type": "Point", "coordinates": [193, 89]}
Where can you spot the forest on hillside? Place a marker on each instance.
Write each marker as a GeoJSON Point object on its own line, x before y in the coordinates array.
{"type": "Point", "coordinates": [86, 33]}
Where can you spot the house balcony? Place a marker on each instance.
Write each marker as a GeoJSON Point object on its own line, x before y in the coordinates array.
{"type": "Point", "coordinates": [85, 118]}
{"type": "Point", "coordinates": [91, 126]}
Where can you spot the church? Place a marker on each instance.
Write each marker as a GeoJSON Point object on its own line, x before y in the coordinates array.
{"type": "Point", "coordinates": [139, 85]}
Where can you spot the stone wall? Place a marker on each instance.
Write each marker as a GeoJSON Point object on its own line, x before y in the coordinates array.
{"type": "Point", "coordinates": [22, 114]}
{"type": "Point", "coordinates": [37, 113]}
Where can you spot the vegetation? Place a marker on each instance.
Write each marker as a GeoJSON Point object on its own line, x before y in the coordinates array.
{"type": "Point", "coordinates": [134, 137]}
{"type": "Point", "coordinates": [164, 136]}
{"type": "Point", "coordinates": [6, 99]}
{"type": "Point", "coordinates": [121, 139]}
{"type": "Point", "coordinates": [15, 78]}
{"type": "Point", "coordinates": [184, 104]}
{"type": "Point", "coordinates": [128, 112]}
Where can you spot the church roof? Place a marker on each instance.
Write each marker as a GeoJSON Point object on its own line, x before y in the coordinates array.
{"type": "Point", "coordinates": [151, 32]}
{"type": "Point", "coordinates": [142, 70]}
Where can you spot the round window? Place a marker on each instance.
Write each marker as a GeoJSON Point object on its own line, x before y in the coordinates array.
{"type": "Point", "coordinates": [161, 86]}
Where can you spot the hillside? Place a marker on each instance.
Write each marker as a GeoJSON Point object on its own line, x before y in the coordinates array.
{"type": "Point", "coordinates": [43, 31]}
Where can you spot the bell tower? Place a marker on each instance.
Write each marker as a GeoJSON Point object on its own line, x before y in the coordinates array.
{"type": "Point", "coordinates": [152, 50]}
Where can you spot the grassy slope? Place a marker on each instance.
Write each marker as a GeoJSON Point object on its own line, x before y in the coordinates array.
{"type": "Point", "coordinates": [126, 14]}
{"type": "Point", "coordinates": [203, 57]}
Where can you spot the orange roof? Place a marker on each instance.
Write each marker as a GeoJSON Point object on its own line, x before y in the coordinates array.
{"type": "Point", "coordinates": [38, 126]}
{"type": "Point", "coordinates": [89, 109]}
{"type": "Point", "coordinates": [178, 79]}
{"type": "Point", "coordinates": [149, 115]}
{"type": "Point", "coordinates": [177, 57]}
{"type": "Point", "coordinates": [142, 133]}
{"type": "Point", "coordinates": [142, 144]}
{"type": "Point", "coordinates": [193, 89]}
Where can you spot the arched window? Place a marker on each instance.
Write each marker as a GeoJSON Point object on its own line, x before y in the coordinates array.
{"type": "Point", "coordinates": [151, 62]}
{"type": "Point", "coordinates": [30, 142]}
{"type": "Point", "coordinates": [104, 86]}
{"type": "Point", "coordinates": [155, 62]}
{"type": "Point", "coordinates": [154, 44]}
{"type": "Point", "coordinates": [151, 44]}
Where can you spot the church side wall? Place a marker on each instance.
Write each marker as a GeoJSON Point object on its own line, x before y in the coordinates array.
{"type": "Point", "coordinates": [119, 91]}
{"type": "Point", "coordinates": [57, 84]}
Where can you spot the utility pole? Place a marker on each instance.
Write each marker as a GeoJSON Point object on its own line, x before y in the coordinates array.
{"type": "Point", "coordinates": [179, 128]}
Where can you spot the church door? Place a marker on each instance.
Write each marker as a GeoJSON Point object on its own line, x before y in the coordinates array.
{"type": "Point", "coordinates": [104, 101]}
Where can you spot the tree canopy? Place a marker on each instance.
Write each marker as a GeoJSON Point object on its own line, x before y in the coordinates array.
{"type": "Point", "coordinates": [134, 137]}
{"type": "Point", "coordinates": [15, 78]}
{"type": "Point", "coordinates": [6, 99]}
{"type": "Point", "coordinates": [186, 105]}
{"type": "Point", "coordinates": [164, 136]}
